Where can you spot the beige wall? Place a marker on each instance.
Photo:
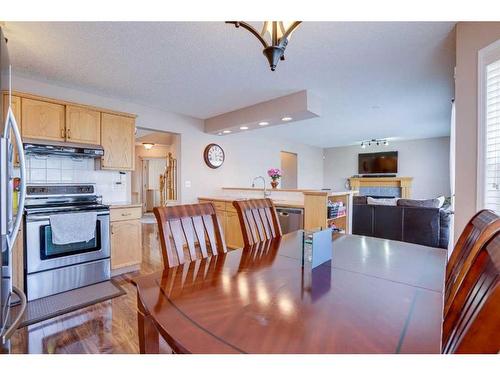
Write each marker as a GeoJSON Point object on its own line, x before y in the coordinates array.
{"type": "Point", "coordinates": [426, 160]}
{"type": "Point", "coordinates": [470, 38]}
{"type": "Point", "coordinates": [247, 154]}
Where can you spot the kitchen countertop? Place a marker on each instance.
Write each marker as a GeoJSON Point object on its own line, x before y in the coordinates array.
{"type": "Point", "coordinates": [124, 205]}
{"type": "Point", "coordinates": [277, 202]}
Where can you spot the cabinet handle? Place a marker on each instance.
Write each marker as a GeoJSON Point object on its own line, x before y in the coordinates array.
{"type": "Point", "coordinates": [63, 133]}
{"type": "Point", "coordinates": [68, 133]}
{"type": "Point", "coordinates": [126, 214]}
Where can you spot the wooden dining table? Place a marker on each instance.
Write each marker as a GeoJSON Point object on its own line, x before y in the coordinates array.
{"type": "Point", "coordinates": [374, 296]}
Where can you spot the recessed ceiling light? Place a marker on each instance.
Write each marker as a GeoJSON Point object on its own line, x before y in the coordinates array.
{"type": "Point", "coordinates": [243, 127]}
{"type": "Point", "coordinates": [263, 123]}
{"type": "Point", "coordinates": [227, 131]}
{"type": "Point", "coordinates": [286, 118]}
{"type": "Point", "coordinates": [148, 146]}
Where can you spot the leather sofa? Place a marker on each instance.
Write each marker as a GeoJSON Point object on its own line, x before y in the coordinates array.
{"type": "Point", "coordinates": [420, 225]}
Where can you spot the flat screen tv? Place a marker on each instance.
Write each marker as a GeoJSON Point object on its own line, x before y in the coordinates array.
{"type": "Point", "coordinates": [378, 163]}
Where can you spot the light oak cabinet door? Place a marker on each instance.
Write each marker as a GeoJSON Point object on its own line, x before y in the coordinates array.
{"type": "Point", "coordinates": [126, 243]}
{"type": "Point", "coordinates": [16, 109]}
{"type": "Point", "coordinates": [83, 125]}
{"type": "Point", "coordinates": [42, 120]}
{"type": "Point", "coordinates": [18, 261]}
{"type": "Point", "coordinates": [234, 237]}
{"type": "Point", "coordinates": [117, 139]}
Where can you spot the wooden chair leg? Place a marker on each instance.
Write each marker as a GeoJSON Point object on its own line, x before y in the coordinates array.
{"type": "Point", "coordinates": [148, 334]}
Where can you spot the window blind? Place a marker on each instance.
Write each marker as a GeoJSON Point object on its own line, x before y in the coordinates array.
{"type": "Point", "coordinates": [492, 170]}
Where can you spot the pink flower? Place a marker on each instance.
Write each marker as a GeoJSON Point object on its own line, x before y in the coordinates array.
{"type": "Point", "coordinates": [274, 173]}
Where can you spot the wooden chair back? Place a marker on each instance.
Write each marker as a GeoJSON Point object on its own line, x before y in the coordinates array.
{"type": "Point", "coordinates": [195, 226]}
{"type": "Point", "coordinates": [258, 220]}
{"type": "Point", "coordinates": [472, 324]}
{"type": "Point", "coordinates": [483, 223]}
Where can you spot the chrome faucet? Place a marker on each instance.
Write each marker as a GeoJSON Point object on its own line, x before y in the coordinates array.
{"type": "Point", "coordinates": [266, 193]}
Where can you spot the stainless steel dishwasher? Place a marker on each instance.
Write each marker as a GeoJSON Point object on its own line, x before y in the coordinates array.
{"type": "Point", "coordinates": [291, 219]}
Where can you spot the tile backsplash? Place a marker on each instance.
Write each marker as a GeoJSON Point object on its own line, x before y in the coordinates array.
{"type": "Point", "coordinates": [66, 169]}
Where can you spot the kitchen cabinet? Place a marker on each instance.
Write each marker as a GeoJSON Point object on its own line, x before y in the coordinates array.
{"type": "Point", "coordinates": [126, 239]}
{"type": "Point", "coordinates": [18, 260]}
{"type": "Point", "coordinates": [42, 120]}
{"type": "Point", "coordinates": [57, 120]}
{"type": "Point", "coordinates": [232, 231]}
{"type": "Point", "coordinates": [16, 109]}
{"type": "Point", "coordinates": [118, 141]}
{"type": "Point", "coordinates": [83, 125]}
{"type": "Point", "coordinates": [230, 222]}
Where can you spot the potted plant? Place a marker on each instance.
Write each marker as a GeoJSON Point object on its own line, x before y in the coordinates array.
{"type": "Point", "coordinates": [275, 175]}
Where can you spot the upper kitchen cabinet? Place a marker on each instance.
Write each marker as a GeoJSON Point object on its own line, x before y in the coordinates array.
{"type": "Point", "coordinates": [117, 139]}
{"type": "Point", "coordinates": [16, 109]}
{"type": "Point", "coordinates": [42, 120]}
{"type": "Point", "coordinates": [83, 125]}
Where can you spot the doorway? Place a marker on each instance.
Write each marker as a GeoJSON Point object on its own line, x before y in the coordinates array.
{"type": "Point", "coordinates": [289, 169]}
{"type": "Point", "coordinates": [155, 178]}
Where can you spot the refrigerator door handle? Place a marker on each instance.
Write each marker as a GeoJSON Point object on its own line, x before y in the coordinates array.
{"type": "Point", "coordinates": [10, 123]}
{"type": "Point", "coordinates": [18, 319]}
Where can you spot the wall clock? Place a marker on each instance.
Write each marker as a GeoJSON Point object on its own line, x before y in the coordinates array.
{"type": "Point", "coordinates": [214, 155]}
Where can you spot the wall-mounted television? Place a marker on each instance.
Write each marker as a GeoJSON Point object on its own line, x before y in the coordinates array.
{"type": "Point", "coordinates": [378, 163]}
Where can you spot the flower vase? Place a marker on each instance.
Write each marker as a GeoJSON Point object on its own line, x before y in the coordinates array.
{"type": "Point", "coordinates": [275, 183]}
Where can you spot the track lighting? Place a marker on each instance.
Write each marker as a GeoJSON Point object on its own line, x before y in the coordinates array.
{"type": "Point", "coordinates": [374, 141]}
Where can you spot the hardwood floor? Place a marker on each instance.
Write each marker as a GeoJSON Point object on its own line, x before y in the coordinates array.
{"type": "Point", "coordinates": [107, 327]}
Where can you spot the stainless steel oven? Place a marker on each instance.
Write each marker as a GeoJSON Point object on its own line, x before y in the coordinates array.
{"type": "Point", "coordinates": [53, 268]}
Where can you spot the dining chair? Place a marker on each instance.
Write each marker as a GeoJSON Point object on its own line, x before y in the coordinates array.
{"type": "Point", "coordinates": [480, 228]}
{"type": "Point", "coordinates": [258, 220]}
{"type": "Point", "coordinates": [195, 226]}
{"type": "Point", "coordinates": [472, 324]}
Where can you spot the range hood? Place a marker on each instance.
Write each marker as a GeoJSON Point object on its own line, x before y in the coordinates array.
{"type": "Point", "coordinates": [40, 147]}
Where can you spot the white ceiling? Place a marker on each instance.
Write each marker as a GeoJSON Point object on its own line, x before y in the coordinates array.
{"type": "Point", "coordinates": [150, 136]}
{"type": "Point", "coordinates": [375, 80]}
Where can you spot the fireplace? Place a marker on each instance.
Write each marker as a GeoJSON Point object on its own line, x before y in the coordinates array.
{"type": "Point", "coordinates": [380, 191]}
{"type": "Point", "coordinates": [399, 187]}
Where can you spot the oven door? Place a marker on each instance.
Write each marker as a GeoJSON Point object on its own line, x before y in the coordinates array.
{"type": "Point", "coordinates": [42, 254]}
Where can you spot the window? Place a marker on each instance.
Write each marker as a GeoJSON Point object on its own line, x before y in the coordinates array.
{"type": "Point", "coordinates": [489, 128]}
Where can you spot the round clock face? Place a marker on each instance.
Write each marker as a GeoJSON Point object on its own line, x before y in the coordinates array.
{"type": "Point", "coordinates": [214, 155]}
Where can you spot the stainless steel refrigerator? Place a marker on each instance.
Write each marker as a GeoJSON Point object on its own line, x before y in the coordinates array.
{"type": "Point", "coordinates": [10, 221]}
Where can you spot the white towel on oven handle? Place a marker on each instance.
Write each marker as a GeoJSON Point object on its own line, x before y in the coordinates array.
{"type": "Point", "coordinates": [73, 227]}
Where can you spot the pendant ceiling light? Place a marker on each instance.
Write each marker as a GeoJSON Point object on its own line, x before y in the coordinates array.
{"type": "Point", "coordinates": [277, 33]}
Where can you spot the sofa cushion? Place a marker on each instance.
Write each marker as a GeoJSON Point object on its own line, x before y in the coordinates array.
{"type": "Point", "coordinates": [424, 203]}
{"type": "Point", "coordinates": [359, 199]}
{"type": "Point", "coordinates": [421, 225]}
{"type": "Point", "coordinates": [382, 201]}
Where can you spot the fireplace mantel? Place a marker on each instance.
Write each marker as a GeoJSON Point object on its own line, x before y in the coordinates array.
{"type": "Point", "coordinates": [402, 182]}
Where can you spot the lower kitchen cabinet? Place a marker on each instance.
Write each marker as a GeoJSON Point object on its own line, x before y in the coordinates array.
{"type": "Point", "coordinates": [230, 223]}
{"type": "Point", "coordinates": [126, 240]}
{"type": "Point", "coordinates": [232, 231]}
{"type": "Point", "coordinates": [18, 260]}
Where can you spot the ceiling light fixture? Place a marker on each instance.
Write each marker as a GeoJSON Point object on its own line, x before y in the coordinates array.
{"type": "Point", "coordinates": [243, 127]}
{"type": "Point", "coordinates": [263, 123]}
{"type": "Point", "coordinates": [227, 131]}
{"type": "Point", "coordinates": [287, 118]}
{"type": "Point", "coordinates": [278, 35]}
{"type": "Point", "coordinates": [374, 141]}
{"type": "Point", "coordinates": [148, 146]}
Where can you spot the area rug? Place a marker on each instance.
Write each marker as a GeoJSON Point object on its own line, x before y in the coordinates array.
{"type": "Point", "coordinates": [62, 303]}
